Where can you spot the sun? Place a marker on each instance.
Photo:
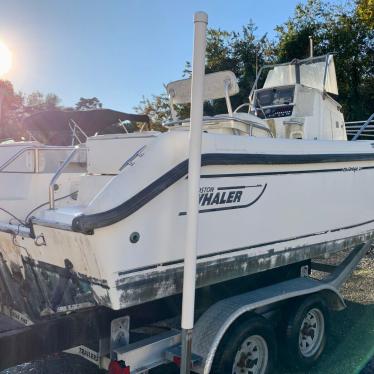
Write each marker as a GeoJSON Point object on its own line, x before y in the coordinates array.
{"type": "Point", "coordinates": [5, 59]}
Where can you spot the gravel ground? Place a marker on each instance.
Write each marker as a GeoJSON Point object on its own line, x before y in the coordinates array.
{"type": "Point", "coordinates": [351, 341]}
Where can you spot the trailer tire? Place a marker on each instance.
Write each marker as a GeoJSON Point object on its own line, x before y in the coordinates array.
{"type": "Point", "coordinates": [247, 337]}
{"type": "Point", "coordinates": [305, 334]}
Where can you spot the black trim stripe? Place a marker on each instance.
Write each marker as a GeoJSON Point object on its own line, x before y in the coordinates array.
{"type": "Point", "coordinates": [228, 251]}
{"type": "Point", "coordinates": [313, 171]}
{"type": "Point", "coordinates": [237, 187]}
{"type": "Point", "coordinates": [87, 223]}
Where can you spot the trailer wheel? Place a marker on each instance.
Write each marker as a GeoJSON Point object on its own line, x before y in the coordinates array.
{"type": "Point", "coordinates": [306, 333]}
{"type": "Point", "coordinates": [249, 347]}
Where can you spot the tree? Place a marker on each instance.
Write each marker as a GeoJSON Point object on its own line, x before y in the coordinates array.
{"type": "Point", "coordinates": [365, 12]}
{"type": "Point", "coordinates": [51, 101]}
{"type": "Point", "coordinates": [10, 111]}
{"type": "Point", "coordinates": [35, 100]}
{"type": "Point", "coordinates": [241, 52]}
{"type": "Point", "coordinates": [88, 104]}
{"type": "Point", "coordinates": [157, 109]}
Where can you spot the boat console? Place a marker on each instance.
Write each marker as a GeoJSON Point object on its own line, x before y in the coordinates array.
{"type": "Point", "coordinates": [296, 99]}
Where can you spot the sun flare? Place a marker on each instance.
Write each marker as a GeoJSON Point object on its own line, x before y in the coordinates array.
{"type": "Point", "coordinates": [5, 59]}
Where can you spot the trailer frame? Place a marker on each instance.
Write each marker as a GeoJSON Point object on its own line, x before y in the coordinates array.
{"type": "Point", "coordinates": [141, 356]}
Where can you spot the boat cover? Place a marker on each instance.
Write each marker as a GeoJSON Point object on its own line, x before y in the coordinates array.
{"type": "Point", "coordinates": [52, 126]}
{"type": "Point", "coordinates": [312, 74]}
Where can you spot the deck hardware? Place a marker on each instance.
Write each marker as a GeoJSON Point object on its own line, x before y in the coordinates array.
{"type": "Point", "coordinates": [59, 171]}
{"type": "Point", "coordinates": [134, 237]}
{"type": "Point", "coordinates": [120, 334]}
{"type": "Point", "coordinates": [40, 241]}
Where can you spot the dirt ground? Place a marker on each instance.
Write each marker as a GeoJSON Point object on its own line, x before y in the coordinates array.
{"type": "Point", "coordinates": [350, 346]}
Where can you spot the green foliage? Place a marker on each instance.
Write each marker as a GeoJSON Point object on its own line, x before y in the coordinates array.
{"type": "Point", "coordinates": [365, 12]}
{"type": "Point", "coordinates": [240, 52]}
{"type": "Point", "coordinates": [157, 109]}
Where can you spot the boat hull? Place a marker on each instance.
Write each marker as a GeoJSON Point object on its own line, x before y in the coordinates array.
{"type": "Point", "coordinates": [260, 209]}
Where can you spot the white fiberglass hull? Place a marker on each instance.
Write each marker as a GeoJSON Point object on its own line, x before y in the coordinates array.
{"type": "Point", "coordinates": [261, 208]}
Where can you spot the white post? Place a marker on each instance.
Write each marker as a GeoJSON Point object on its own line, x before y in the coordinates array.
{"type": "Point", "coordinates": [194, 165]}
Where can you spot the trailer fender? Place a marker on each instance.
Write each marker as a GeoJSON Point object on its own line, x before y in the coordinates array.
{"type": "Point", "coordinates": [214, 323]}
{"type": "Point", "coordinates": [334, 299]}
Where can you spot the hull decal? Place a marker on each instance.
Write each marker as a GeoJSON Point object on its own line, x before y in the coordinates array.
{"type": "Point", "coordinates": [87, 223]}
{"type": "Point", "coordinates": [209, 199]}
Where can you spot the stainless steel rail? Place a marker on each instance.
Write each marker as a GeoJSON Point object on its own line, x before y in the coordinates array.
{"type": "Point", "coordinates": [363, 127]}
{"type": "Point", "coordinates": [57, 175]}
{"type": "Point", "coordinates": [355, 123]}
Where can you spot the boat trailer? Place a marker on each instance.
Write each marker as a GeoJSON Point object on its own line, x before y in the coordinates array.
{"type": "Point", "coordinates": [22, 341]}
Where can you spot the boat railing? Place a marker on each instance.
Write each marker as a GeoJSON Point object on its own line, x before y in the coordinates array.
{"type": "Point", "coordinates": [52, 184]}
{"type": "Point", "coordinates": [36, 151]}
{"type": "Point", "coordinates": [356, 129]}
{"type": "Point", "coordinates": [220, 119]}
{"type": "Point", "coordinates": [76, 130]}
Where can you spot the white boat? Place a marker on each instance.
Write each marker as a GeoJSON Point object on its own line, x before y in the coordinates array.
{"type": "Point", "coordinates": [276, 187]}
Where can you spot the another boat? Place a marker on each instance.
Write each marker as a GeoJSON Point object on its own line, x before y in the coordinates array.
{"type": "Point", "coordinates": [28, 166]}
{"type": "Point", "coordinates": [275, 190]}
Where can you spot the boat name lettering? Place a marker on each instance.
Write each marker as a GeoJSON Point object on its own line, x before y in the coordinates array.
{"type": "Point", "coordinates": [352, 168]}
{"type": "Point", "coordinates": [215, 197]}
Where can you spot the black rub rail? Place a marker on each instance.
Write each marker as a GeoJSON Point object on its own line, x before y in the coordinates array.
{"type": "Point", "coordinates": [87, 223]}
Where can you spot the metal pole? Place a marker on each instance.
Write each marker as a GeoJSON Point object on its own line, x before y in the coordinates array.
{"type": "Point", "coordinates": [311, 46]}
{"type": "Point", "coordinates": [194, 165]}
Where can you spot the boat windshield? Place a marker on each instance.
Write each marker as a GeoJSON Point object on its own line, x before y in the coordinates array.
{"type": "Point", "coordinates": [274, 96]}
{"type": "Point", "coordinates": [273, 102]}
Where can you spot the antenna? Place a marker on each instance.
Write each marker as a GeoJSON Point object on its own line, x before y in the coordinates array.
{"type": "Point", "coordinates": [311, 46]}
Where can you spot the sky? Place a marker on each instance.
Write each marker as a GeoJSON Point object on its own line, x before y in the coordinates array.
{"type": "Point", "coordinates": [116, 50]}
